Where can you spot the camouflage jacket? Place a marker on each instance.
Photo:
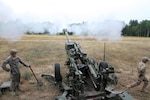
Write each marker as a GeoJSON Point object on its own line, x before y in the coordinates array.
{"type": "Point", "coordinates": [141, 69]}
{"type": "Point", "coordinates": [13, 63]}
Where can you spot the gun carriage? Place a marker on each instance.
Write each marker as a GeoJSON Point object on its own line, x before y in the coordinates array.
{"type": "Point", "coordinates": [86, 79]}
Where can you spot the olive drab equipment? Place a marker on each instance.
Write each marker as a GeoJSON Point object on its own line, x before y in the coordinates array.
{"type": "Point", "coordinates": [86, 78]}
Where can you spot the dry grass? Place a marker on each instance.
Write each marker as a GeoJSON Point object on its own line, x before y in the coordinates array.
{"type": "Point", "coordinates": [42, 51]}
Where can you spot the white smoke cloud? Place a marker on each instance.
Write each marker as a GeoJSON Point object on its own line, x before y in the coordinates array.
{"type": "Point", "coordinates": [12, 27]}
{"type": "Point", "coordinates": [12, 30]}
{"type": "Point", "coordinates": [8, 28]}
{"type": "Point", "coordinates": [108, 30]}
{"type": "Point", "coordinates": [5, 12]}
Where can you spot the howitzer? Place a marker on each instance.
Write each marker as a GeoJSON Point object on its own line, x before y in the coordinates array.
{"type": "Point", "coordinates": [86, 78]}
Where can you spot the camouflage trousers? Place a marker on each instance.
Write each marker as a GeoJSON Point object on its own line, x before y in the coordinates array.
{"type": "Point", "coordinates": [15, 80]}
{"type": "Point", "coordinates": [139, 81]}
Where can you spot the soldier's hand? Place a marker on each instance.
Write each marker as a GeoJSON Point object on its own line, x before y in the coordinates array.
{"type": "Point", "coordinates": [8, 70]}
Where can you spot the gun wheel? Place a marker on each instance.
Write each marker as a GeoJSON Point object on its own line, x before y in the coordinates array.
{"type": "Point", "coordinates": [58, 77]}
{"type": "Point", "coordinates": [103, 64]}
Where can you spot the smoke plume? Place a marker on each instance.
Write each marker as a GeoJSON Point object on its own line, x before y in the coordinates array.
{"type": "Point", "coordinates": [13, 27]}
{"type": "Point", "coordinates": [9, 29]}
{"type": "Point", "coordinates": [107, 30]}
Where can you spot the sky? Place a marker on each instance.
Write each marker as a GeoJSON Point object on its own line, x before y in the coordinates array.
{"type": "Point", "coordinates": [77, 10]}
{"type": "Point", "coordinates": [102, 18]}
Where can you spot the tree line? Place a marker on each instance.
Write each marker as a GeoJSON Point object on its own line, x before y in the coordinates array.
{"type": "Point", "coordinates": [135, 28]}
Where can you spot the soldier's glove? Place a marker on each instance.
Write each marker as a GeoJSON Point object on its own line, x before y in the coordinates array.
{"type": "Point", "coordinates": [8, 70]}
{"type": "Point", "coordinates": [28, 66]}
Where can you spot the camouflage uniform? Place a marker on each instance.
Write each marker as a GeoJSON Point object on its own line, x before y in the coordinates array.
{"type": "Point", "coordinates": [14, 70]}
{"type": "Point", "coordinates": [141, 74]}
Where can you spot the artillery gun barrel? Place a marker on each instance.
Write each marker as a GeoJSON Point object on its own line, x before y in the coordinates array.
{"type": "Point", "coordinates": [67, 36]}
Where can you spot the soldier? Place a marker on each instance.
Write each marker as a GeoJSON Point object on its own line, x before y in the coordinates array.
{"type": "Point", "coordinates": [13, 60]}
{"type": "Point", "coordinates": [141, 75]}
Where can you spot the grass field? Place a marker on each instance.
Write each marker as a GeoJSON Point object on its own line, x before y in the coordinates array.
{"type": "Point", "coordinates": [42, 51]}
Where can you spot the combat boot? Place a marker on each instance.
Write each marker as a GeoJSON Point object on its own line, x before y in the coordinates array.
{"type": "Point", "coordinates": [144, 91]}
{"type": "Point", "coordinates": [14, 93]}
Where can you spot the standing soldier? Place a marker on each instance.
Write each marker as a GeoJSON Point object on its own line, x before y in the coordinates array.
{"type": "Point", "coordinates": [13, 60]}
{"type": "Point", "coordinates": [141, 75]}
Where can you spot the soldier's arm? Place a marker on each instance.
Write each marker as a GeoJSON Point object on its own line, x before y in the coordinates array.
{"type": "Point", "coordinates": [4, 65]}
{"type": "Point", "coordinates": [141, 69]}
{"type": "Point", "coordinates": [23, 63]}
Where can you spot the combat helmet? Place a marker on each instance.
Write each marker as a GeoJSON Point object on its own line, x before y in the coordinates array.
{"type": "Point", "coordinates": [145, 59]}
{"type": "Point", "coordinates": [13, 51]}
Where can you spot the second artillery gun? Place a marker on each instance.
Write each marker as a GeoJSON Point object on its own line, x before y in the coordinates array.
{"type": "Point", "coordinates": [86, 78]}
